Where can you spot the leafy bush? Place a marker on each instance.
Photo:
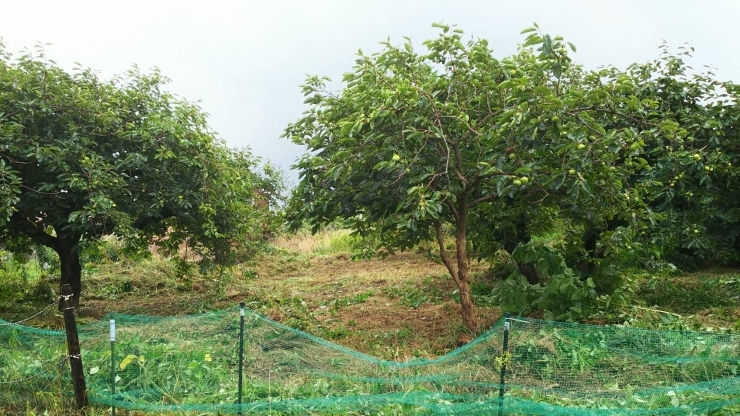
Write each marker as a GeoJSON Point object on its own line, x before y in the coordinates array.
{"type": "Point", "coordinates": [564, 296]}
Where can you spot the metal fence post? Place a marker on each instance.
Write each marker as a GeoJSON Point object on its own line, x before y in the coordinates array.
{"type": "Point", "coordinates": [504, 363]}
{"type": "Point", "coordinates": [113, 365]}
{"type": "Point", "coordinates": [241, 355]}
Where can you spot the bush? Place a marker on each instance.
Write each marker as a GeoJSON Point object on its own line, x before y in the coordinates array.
{"type": "Point", "coordinates": [565, 296]}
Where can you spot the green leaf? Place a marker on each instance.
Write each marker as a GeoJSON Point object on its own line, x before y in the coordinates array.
{"type": "Point", "coordinates": [572, 46]}
{"type": "Point", "coordinates": [527, 30]}
{"type": "Point", "coordinates": [534, 40]}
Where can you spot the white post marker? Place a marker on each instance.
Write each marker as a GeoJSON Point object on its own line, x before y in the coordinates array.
{"type": "Point", "coordinates": [113, 364]}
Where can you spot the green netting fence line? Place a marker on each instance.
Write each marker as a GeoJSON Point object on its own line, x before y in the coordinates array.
{"type": "Point", "coordinates": [190, 363]}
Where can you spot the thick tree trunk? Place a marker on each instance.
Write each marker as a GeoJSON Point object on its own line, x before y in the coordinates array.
{"type": "Point", "coordinates": [469, 317]}
{"type": "Point", "coordinates": [71, 270]}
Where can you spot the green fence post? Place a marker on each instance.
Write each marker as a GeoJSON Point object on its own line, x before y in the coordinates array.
{"type": "Point", "coordinates": [504, 362]}
{"type": "Point", "coordinates": [113, 365]}
{"type": "Point", "coordinates": [241, 354]}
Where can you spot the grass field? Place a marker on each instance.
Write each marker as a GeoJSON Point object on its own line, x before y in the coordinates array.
{"type": "Point", "coordinates": [393, 308]}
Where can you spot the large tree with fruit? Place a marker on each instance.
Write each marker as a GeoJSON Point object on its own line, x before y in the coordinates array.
{"type": "Point", "coordinates": [416, 144]}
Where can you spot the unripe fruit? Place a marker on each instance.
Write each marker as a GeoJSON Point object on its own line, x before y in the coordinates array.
{"type": "Point", "coordinates": [517, 182]}
{"type": "Point", "coordinates": [396, 158]}
{"type": "Point", "coordinates": [524, 180]}
{"type": "Point", "coordinates": [555, 119]}
{"type": "Point", "coordinates": [572, 171]}
{"type": "Point", "coordinates": [512, 156]}
{"type": "Point", "coordinates": [512, 71]}
{"type": "Point", "coordinates": [581, 146]}
{"type": "Point", "coordinates": [697, 156]}
{"type": "Point", "coordinates": [707, 168]}
{"type": "Point", "coordinates": [696, 231]}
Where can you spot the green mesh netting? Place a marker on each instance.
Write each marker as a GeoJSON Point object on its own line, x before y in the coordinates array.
{"type": "Point", "coordinates": [190, 364]}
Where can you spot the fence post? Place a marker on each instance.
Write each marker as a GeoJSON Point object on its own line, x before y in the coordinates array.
{"type": "Point", "coordinates": [73, 348]}
{"type": "Point", "coordinates": [113, 365]}
{"type": "Point", "coordinates": [504, 363]}
{"type": "Point", "coordinates": [241, 354]}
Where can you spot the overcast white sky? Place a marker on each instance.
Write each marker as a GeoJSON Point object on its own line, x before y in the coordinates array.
{"type": "Point", "coordinates": [245, 60]}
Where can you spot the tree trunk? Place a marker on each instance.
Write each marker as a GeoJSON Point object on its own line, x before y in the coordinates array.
{"type": "Point", "coordinates": [71, 270]}
{"type": "Point", "coordinates": [460, 274]}
{"type": "Point", "coordinates": [470, 320]}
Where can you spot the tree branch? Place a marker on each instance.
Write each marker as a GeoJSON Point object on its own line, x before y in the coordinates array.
{"type": "Point", "coordinates": [35, 231]}
{"type": "Point", "coordinates": [482, 199]}
{"type": "Point", "coordinates": [458, 163]}
{"type": "Point", "coordinates": [452, 208]}
{"type": "Point", "coordinates": [443, 253]}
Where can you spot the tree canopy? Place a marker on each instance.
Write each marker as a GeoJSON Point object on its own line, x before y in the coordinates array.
{"type": "Point", "coordinates": [82, 157]}
{"type": "Point", "coordinates": [452, 138]}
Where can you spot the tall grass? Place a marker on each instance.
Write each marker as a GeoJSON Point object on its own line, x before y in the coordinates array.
{"type": "Point", "coordinates": [325, 241]}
